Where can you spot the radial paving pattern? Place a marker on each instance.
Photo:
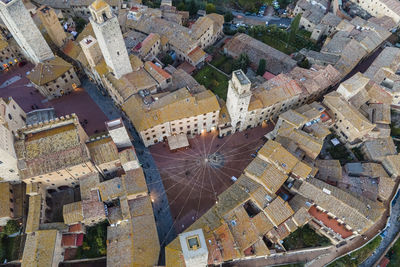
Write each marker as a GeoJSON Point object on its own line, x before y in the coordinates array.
{"type": "Point", "coordinates": [193, 178]}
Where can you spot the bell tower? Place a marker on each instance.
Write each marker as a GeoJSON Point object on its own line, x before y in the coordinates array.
{"type": "Point", "coordinates": [238, 99]}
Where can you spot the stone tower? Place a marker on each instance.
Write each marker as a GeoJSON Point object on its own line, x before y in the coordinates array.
{"type": "Point", "coordinates": [108, 34]}
{"type": "Point", "coordinates": [53, 27]}
{"type": "Point", "coordinates": [20, 23]}
{"type": "Point", "coordinates": [238, 99]}
{"type": "Point", "coordinates": [91, 49]}
{"type": "Point", "coordinates": [194, 248]}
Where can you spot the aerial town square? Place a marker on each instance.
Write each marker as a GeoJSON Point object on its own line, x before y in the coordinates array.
{"type": "Point", "coordinates": [193, 133]}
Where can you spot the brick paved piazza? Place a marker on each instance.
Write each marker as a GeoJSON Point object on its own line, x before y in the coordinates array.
{"type": "Point", "coordinates": [193, 178]}
{"type": "Point", "coordinates": [28, 97]}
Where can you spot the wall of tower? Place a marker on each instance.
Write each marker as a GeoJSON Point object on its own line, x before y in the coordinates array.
{"type": "Point", "coordinates": [20, 24]}
{"type": "Point", "coordinates": [52, 26]}
{"type": "Point", "coordinates": [91, 49]}
{"type": "Point", "coordinates": [237, 105]}
{"type": "Point", "coordinates": [112, 45]}
{"type": "Point", "coordinates": [8, 159]}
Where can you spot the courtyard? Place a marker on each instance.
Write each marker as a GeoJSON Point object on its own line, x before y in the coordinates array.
{"type": "Point", "coordinates": [194, 177]}
{"type": "Point", "coordinates": [29, 99]}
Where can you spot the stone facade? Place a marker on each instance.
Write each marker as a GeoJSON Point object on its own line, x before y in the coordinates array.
{"type": "Point", "coordinates": [238, 99]}
{"type": "Point", "coordinates": [10, 53]}
{"type": "Point", "coordinates": [91, 49]}
{"type": "Point", "coordinates": [20, 23]}
{"type": "Point", "coordinates": [108, 33]}
{"type": "Point", "coordinates": [12, 117]}
{"type": "Point", "coordinates": [60, 86]}
{"type": "Point", "coordinates": [190, 126]}
{"type": "Point", "coordinates": [381, 8]}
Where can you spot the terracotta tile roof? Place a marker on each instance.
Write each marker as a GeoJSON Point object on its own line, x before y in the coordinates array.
{"type": "Point", "coordinates": [329, 170]}
{"type": "Point", "coordinates": [148, 43]}
{"type": "Point", "coordinates": [119, 245]}
{"type": "Point", "coordinates": [353, 85]}
{"type": "Point", "coordinates": [134, 81]}
{"type": "Point", "coordinates": [52, 149]}
{"type": "Point", "coordinates": [278, 211]}
{"type": "Point", "coordinates": [136, 62]}
{"type": "Point", "coordinates": [201, 26]}
{"type": "Point", "coordinates": [146, 246]}
{"type": "Point", "coordinates": [358, 213]}
{"type": "Point", "coordinates": [277, 90]}
{"type": "Point", "coordinates": [330, 222]}
{"type": "Point", "coordinates": [262, 223]}
{"type": "Point", "coordinates": [378, 94]}
{"type": "Point", "coordinates": [196, 55]}
{"type": "Point", "coordinates": [335, 102]}
{"type": "Point", "coordinates": [75, 228]}
{"type": "Point", "coordinates": [69, 240]}
{"type": "Point", "coordinates": [242, 228]}
{"type": "Point", "coordinates": [33, 220]}
{"type": "Point", "coordinates": [377, 149]}
{"type": "Point", "coordinates": [73, 213]}
{"type": "Point", "coordinates": [301, 217]}
{"type": "Point", "coordinates": [392, 164]}
{"type": "Point", "coordinates": [177, 35]}
{"type": "Point", "coordinates": [266, 174]}
{"type": "Point", "coordinates": [316, 79]}
{"type": "Point", "coordinates": [275, 153]}
{"type": "Point", "coordinates": [177, 105]}
{"type": "Point", "coordinates": [294, 118]}
{"type": "Point", "coordinates": [156, 72]}
{"type": "Point", "coordinates": [102, 68]}
{"type": "Point", "coordinates": [111, 189]}
{"type": "Point", "coordinates": [277, 62]}
{"type": "Point", "coordinates": [39, 248]}
{"type": "Point", "coordinates": [48, 71]}
{"type": "Point", "coordinates": [306, 142]}
{"type": "Point", "coordinates": [385, 187]}
{"type": "Point", "coordinates": [72, 49]}
{"type": "Point", "coordinates": [93, 209]}
{"type": "Point", "coordinates": [127, 155]}
{"type": "Point", "coordinates": [302, 170]}
{"type": "Point", "coordinates": [88, 183]}
{"type": "Point", "coordinates": [102, 150]}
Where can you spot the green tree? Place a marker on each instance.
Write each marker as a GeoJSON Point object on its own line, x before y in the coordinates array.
{"type": "Point", "coordinates": [181, 6]}
{"type": "Point", "coordinates": [11, 227]}
{"type": "Point", "coordinates": [210, 8]}
{"type": "Point", "coordinates": [167, 60]}
{"type": "Point", "coordinates": [241, 29]}
{"type": "Point", "coordinates": [304, 64]}
{"type": "Point", "coordinates": [294, 27]}
{"type": "Point", "coordinates": [261, 67]}
{"type": "Point", "coordinates": [241, 63]}
{"type": "Point", "coordinates": [80, 24]}
{"type": "Point", "coordinates": [228, 17]}
{"type": "Point", "coordinates": [192, 7]}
